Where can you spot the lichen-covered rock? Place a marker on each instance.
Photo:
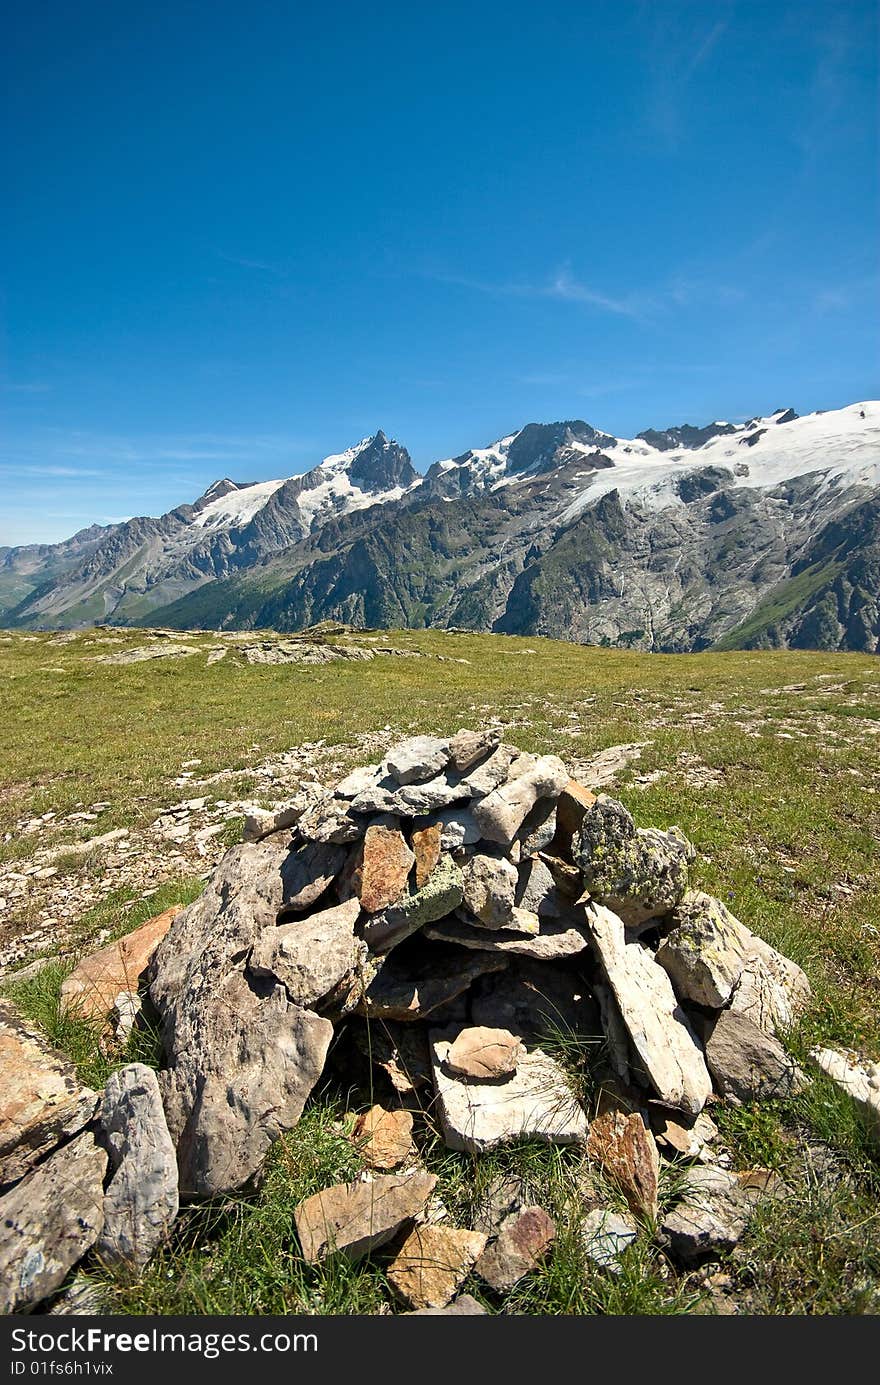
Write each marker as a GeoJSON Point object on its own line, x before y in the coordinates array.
{"type": "Point", "coordinates": [705, 952]}
{"type": "Point", "coordinates": [605, 1236]}
{"type": "Point", "coordinates": [443, 892]}
{"type": "Point", "coordinates": [639, 873]}
{"type": "Point", "coordinates": [141, 1200]}
{"type": "Point", "coordinates": [772, 990]}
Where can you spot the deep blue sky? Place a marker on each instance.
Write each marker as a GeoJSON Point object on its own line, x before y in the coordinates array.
{"type": "Point", "coordinates": [240, 236]}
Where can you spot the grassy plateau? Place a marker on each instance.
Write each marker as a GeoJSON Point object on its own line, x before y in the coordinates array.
{"type": "Point", "coordinates": [769, 762]}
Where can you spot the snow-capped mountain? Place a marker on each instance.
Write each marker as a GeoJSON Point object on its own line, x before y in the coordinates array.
{"type": "Point", "coordinates": [760, 532]}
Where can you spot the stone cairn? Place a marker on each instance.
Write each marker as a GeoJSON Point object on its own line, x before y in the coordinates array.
{"type": "Point", "coordinates": [468, 919]}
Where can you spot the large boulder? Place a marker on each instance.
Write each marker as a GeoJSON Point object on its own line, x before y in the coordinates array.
{"type": "Point", "coordinates": [42, 1102]}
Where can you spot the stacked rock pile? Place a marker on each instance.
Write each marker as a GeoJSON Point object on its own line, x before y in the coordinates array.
{"type": "Point", "coordinates": [465, 915]}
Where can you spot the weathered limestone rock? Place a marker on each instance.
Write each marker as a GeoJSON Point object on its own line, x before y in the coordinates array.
{"type": "Point", "coordinates": [690, 1141]}
{"type": "Point", "coordinates": [538, 892]}
{"type": "Point", "coordinates": [411, 800]}
{"type": "Point", "coordinates": [521, 1244]}
{"type": "Point", "coordinates": [538, 829]}
{"type": "Point", "coordinates": [571, 805]}
{"type": "Point", "coordinates": [426, 843]}
{"type": "Point", "coordinates": [409, 983]}
{"type": "Point", "coordinates": [92, 987]}
{"type": "Point", "coordinates": [363, 778]}
{"type": "Point", "coordinates": [660, 1033]}
{"type": "Point", "coordinates": [746, 1064]}
{"type": "Point", "coordinates": [556, 940]}
{"type": "Point", "coordinates": [307, 873]}
{"type": "Point", "coordinates": [856, 1076]}
{"type": "Point", "coordinates": [241, 1057]}
{"type": "Point", "coordinates": [42, 1102]}
{"type": "Point", "coordinates": [640, 873]}
{"type": "Point", "coordinates": [536, 1101]}
{"type": "Point", "coordinates": [491, 772]}
{"type": "Point", "coordinates": [420, 758]}
{"type": "Point", "coordinates": [489, 884]}
{"type": "Point", "coordinates": [772, 992]}
{"type": "Point", "coordinates": [384, 1138]}
{"type": "Point", "coordinates": [626, 1150]}
{"type": "Point", "coordinates": [485, 1054]}
{"type": "Point", "coordinates": [431, 1264]}
{"type": "Point", "coordinates": [502, 812]}
{"type": "Point", "coordinates": [313, 956]}
{"type": "Point", "coordinates": [704, 954]}
{"type": "Point", "coordinates": [244, 1063]}
{"type": "Point", "coordinates": [468, 748]}
{"type": "Point", "coordinates": [711, 1216]}
{"type": "Point", "coordinates": [442, 893]}
{"type": "Point", "coordinates": [353, 1219]}
{"type": "Point", "coordinates": [50, 1220]}
{"type": "Point", "coordinates": [141, 1201]}
{"type": "Point", "coordinates": [606, 1235]}
{"type": "Point", "coordinates": [384, 868]}
{"type": "Point", "coordinates": [457, 828]}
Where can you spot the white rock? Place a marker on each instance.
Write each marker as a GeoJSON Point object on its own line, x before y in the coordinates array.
{"type": "Point", "coordinates": [141, 1200]}
{"type": "Point", "coordinates": [856, 1076]}
{"type": "Point", "coordinates": [420, 758]}
{"type": "Point", "coordinates": [661, 1036]}
{"type": "Point", "coordinates": [501, 813]}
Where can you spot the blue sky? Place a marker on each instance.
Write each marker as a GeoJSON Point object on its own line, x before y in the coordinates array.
{"type": "Point", "coordinates": [237, 238]}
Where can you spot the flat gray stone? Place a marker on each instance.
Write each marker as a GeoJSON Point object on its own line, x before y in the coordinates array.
{"type": "Point", "coordinates": [556, 939]}
{"type": "Point", "coordinates": [141, 1201]}
{"type": "Point", "coordinates": [420, 758]}
{"type": "Point", "coordinates": [536, 1102]}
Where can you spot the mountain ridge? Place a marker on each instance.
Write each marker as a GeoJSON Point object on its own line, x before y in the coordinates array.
{"type": "Point", "coordinates": [672, 540]}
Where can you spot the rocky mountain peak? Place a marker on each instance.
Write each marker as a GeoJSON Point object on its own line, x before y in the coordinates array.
{"type": "Point", "coordinates": [382, 465]}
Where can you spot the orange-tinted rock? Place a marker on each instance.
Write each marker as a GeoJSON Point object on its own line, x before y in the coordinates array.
{"type": "Point", "coordinates": [386, 862]}
{"type": "Point", "coordinates": [571, 805]}
{"type": "Point", "coordinates": [432, 1263]}
{"type": "Point", "coordinates": [484, 1053]}
{"type": "Point", "coordinates": [92, 987]}
{"type": "Point", "coordinates": [384, 1137]}
{"type": "Point", "coordinates": [626, 1150]}
{"type": "Point", "coordinates": [354, 1218]}
{"type": "Point", "coordinates": [426, 846]}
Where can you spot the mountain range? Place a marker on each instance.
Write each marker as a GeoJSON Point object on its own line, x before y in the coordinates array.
{"type": "Point", "coordinates": [734, 535]}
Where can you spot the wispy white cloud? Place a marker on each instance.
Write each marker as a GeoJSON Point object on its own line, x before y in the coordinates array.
{"type": "Point", "coordinates": [561, 285]}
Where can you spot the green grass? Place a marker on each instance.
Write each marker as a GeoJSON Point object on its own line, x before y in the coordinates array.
{"type": "Point", "coordinates": [769, 762]}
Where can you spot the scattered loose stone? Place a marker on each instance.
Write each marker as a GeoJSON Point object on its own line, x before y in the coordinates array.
{"type": "Point", "coordinates": [856, 1076]}
{"type": "Point", "coordinates": [746, 1064]}
{"type": "Point", "coordinates": [536, 1101]}
{"type": "Point", "coordinates": [141, 1200]}
{"type": "Point", "coordinates": [626, 1150]}
{"type": "Point", "coordinates": [386, 862]}
{"type": "Point", "coordinates": [92, 987]}
{"type": "Point", "coordinates": [426, 843]}
{"type": "Point", "coordinates": [485, 1054]}
{"type": "Point", "coordinates": [660, 1034]}
{"type": "Point", "coordinates": [522, 1242]}
{"type": "Point", "coordinates": [489, 884]}
{"type": "Point", "coordinates": [42, 1102]}
{"type": "Point", "coordinates": [312, 957]}
{"type": "Point", "coordinates": [704, 954]}
{"type": "Point", "coordinates": [431, 1264]}
{"type": "Point", "coordinates": [711, 1216]}
{"type": "Point", "coordinates": [50, 1220]}
{"type": "Point", "coordinates": [606, 1235]}
{"type": "Point", "coordinates": [384, 1138]}
{"type": "Point", "coordinates": [353, 1219]}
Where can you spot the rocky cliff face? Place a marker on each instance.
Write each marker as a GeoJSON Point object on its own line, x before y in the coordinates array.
{"type": "Point", "coordinates": [726, 536]}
